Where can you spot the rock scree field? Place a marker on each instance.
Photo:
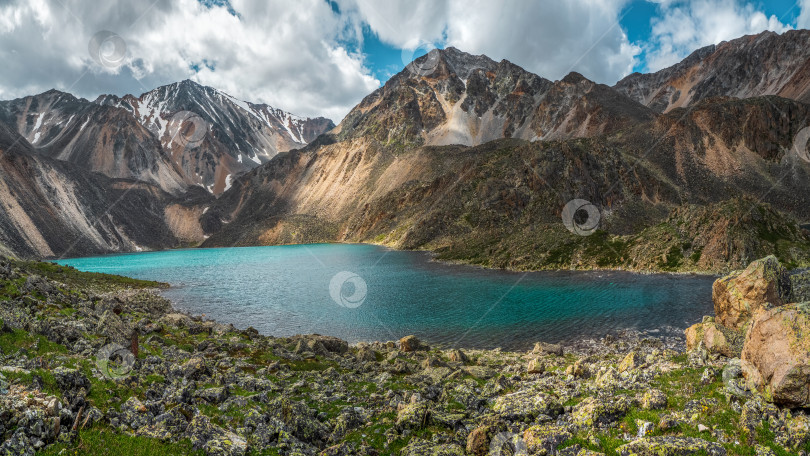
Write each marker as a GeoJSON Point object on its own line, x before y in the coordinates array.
{"type": "Point", "coordinates": [98, 364]}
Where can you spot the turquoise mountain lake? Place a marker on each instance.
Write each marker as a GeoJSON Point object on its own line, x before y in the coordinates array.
{"type": "Point", "coordinates": [365, 292]}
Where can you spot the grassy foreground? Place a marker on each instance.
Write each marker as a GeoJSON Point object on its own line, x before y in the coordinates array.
{"type": "Point", "coordinates": [199, 387]}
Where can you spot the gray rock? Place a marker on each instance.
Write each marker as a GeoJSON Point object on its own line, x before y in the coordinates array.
{"type": "Point", "coordinates": [671, 446]}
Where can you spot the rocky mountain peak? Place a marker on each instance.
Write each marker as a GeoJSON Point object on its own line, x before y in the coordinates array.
{"type": "Point", "coordinates": [451, 97]}
{"type": "Point", "coordinates": [574, 78]}
{"type": "Point", "coordinates": [764, 64]}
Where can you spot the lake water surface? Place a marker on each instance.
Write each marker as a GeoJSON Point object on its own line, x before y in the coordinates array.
{"type": "Point", "coordinates": [364, 292]}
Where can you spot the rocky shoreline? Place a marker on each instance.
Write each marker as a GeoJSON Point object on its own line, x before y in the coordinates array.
{"type": "Point", "coordinates": [94, 364]}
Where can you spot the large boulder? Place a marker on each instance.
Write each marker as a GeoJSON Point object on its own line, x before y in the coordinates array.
{"type": "Point", "coordinates": [776, 355]}
{"type": "Point", "coordinates": [411, 344]}
{"type": "Point", "coordinates": [599, 412]}
{"type": "Point", "coordinates": [545, 439]}
{"type": "Point", "coordinates": [213, 439]}
{"type": "Point", "coordinates": [740, 294]}
{"type": "Point", "coordinates": [716, 338]}
{"type": "Point", "coordinates": [527, 404]}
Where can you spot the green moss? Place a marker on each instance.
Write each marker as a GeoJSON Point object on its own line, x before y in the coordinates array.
{"type": "Point", "coordinates": [102, 442]}
{"type": "Point", "coordinates": [75, 278]}
{"type": "Point", "coordinates": [310, 365]}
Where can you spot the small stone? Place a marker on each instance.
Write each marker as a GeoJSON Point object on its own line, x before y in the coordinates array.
{"type": "Point", "coordinates": [644, 428]}
{"type": "Point", "coordinates": [708, 377]}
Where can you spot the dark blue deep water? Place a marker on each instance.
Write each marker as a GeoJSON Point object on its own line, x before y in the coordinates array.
{"type": "Point", "coordinates": [364, 292]}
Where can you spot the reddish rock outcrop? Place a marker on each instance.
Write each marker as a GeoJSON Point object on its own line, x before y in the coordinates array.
{"type": "Point", "coordinates": [739, 295]}
{"type": "Point", "coordinates": [776, 355]}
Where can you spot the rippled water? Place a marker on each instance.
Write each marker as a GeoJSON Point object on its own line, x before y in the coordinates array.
{"type": "Point", "coordinates": [380, 294]}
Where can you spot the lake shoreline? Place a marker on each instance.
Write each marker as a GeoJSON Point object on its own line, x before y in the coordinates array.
{"type": "Point", "coordinates": [199, 387]}
{"type": "Point", "coordinates": [431, 253]}
{"type": "Point", "coordinates": [289, 290]}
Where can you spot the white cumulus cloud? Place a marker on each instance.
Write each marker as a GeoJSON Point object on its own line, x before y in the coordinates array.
{"type": "Point", "coordinates": [685, 26]}
{"type": "Point", "coordinates": [548, 37]}
{"type": "Point", "coordinates": [287, 54]}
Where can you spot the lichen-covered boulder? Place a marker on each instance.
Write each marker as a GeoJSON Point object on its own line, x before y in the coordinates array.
{"type": "Point", "coordinates": [670, 446]}
{"type": "Point", "coordinates": [653, 399]}
{"type": "Point", "coordinates": [776, 355]}
{"type": "Point", "coordinates": [800, 286]}
{"type": "Point", "coordinates": [716, 338]}
{"type": "Point", "coordinates": [544, 348]}
{"type": "Point", "coordinates": [216, 395]}
{"type": "Point", "coordinates": [234, 446]}
{"type": "Point", "coordinates": [413, 416]}
{"type": "Point", "coordinates": [593, 412]}
{"type": "Point", "coordinates": [68, 380]}
{"type": "Point", "coordinates": [412, 343]}
{"type": "Point", "coordinates": [134, 414]}
{"type": "Point", "coordinates": [740, 294]}
{"type": "Point", "coordinates": [479, 440]}
{"type": "Point", "coordinates": [213, 439]}
{"type": "Point", "coordinates": [633, 360]}
{"type": "Point", "coordinates": [527, 403]}
{"type": "Point", "coordinates": [300, 419]}
{"type": "Point", "coordinates": [17, 445]}
{"type": "Point", "coordinates": [457, 356]}
{"type": "Point", "coordinates": [535, 366]}
{"type": "Point", "coordinates": [545, 439]}
{"type": "Point", "coordinates": [419, 447]}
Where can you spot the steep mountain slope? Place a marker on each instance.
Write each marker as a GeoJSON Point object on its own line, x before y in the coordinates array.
{"type": "Point", "coordinates": [51, 208]}
{"type": "Point", "coordinates": [235, 136]}
{"type": "Point", "coordinates": [98, 138]}
{"type": "Point", "coordinates": [451, 97]}
{"type": "Point", "coordinates": [500, 203]}
{"type": "Point", "coordinates": [764, 64]}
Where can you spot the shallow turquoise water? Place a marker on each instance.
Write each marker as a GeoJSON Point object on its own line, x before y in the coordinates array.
{"type": "Point", "coordinates": [380, 294]}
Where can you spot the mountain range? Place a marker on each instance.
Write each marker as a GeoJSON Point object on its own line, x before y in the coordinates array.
{"type": "Point", "coordinates": [691, 168]}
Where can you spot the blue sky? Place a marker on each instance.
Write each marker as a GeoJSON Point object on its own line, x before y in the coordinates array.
{"type": "Point", "coordinates": [321, 57]}
{"type": "Point", "coordinates": [384, 60]}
